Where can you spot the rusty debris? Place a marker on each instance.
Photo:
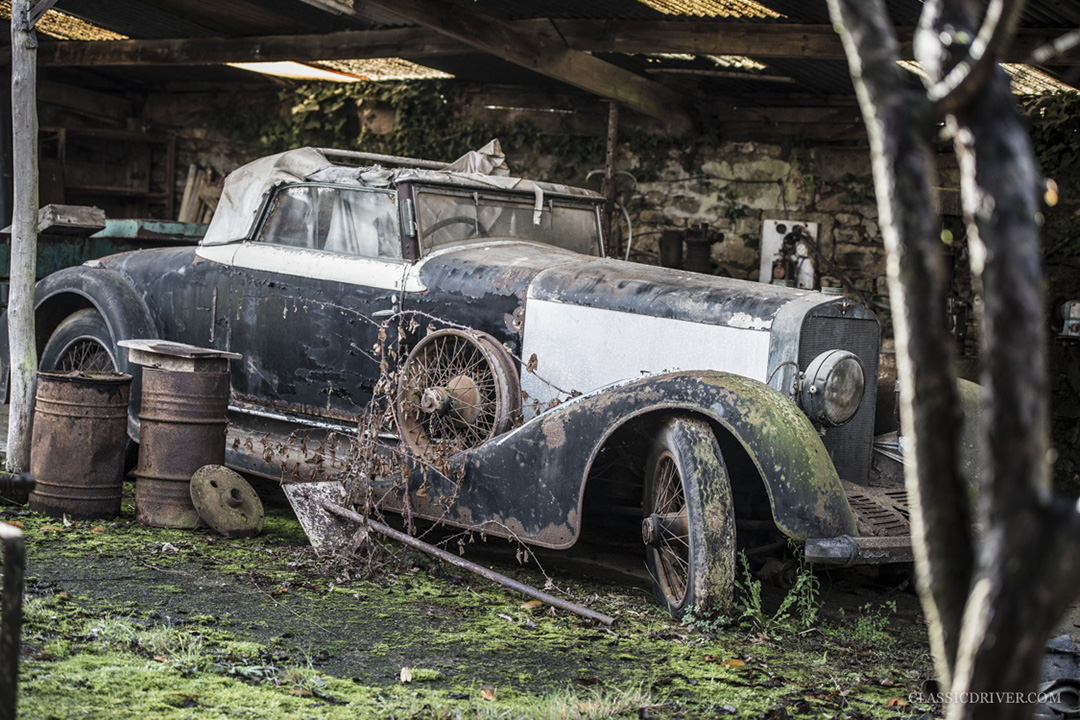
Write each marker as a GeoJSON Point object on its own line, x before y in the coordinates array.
{"type": "Point", "coordinates": [226, 502]}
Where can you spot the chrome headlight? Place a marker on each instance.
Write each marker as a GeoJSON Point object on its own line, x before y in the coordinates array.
{"type": "Point", "coordinates": [832, 387]}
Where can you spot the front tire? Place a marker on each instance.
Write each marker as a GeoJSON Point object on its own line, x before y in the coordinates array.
{"type": "Point", "coordinates": [81, 342]}
{"type": "Point", "coordinates": [689, 520]}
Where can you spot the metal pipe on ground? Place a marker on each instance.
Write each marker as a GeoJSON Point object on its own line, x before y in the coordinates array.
{"type": "Point", "coordinates": [472, 567]}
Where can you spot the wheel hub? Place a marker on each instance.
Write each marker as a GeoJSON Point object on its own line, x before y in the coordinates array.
{"type": "Point", "coordinates": [658, 527]}
{"type": "Point", "coordinates": [650, 530]}
{"type": "Point", "coordinates": [460, 398]}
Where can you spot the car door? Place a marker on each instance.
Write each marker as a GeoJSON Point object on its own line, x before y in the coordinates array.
{"type": "Point", "coordinates": [312, 289]}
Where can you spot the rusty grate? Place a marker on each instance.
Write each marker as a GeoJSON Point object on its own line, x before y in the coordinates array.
{"type": "Point", "coordinates": [879, 512]}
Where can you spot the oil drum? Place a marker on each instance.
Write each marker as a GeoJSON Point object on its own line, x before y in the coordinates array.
{"type": "Point", "coordinates": [182, 426]}
{"type": "Point", "coordinates": [78, 442]}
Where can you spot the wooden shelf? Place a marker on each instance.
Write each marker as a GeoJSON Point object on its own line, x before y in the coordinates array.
{"type": "Point", "coordinates": [128, 174]}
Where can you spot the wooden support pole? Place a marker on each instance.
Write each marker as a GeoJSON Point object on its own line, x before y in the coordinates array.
{"type": "Point", "coordinates": [608, 187]}
{"type": "Point", "coordinates": [14, 564]}
{"type": "Point", "coordinates": [23, 353]}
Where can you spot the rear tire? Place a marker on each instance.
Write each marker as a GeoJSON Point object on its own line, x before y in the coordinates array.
{"type": "Point", "coordinates": [689, 520]}
{"type": "Point", "coordinates": [81, 342]}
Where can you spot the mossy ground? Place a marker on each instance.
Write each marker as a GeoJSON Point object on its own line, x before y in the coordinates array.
{"type": "Point", "coordinates": [127, 621]}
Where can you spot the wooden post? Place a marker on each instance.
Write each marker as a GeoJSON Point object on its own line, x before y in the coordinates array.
{"type": "Point", "coordinates": [23, 353]}
{"type": "Point", "coordinates": [608, 187]}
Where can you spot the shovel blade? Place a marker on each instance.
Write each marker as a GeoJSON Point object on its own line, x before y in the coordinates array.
{"type": "Point", "coordinates": [328, 534]}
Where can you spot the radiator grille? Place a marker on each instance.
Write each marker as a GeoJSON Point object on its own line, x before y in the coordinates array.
{"type": "Point", "coordinates": [850, 446]}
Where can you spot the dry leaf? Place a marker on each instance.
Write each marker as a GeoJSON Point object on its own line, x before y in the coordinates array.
{"type": "Point", "coordinates": [733, 663]}
{"type": "Point", "coordinates": [54, 528]}
{"type": "Point", "coordinates": [16, 523]}
{"type": "Point", "coordinates": [533, 362]}
{"type": "Point", "coordinates": [300, 692]}
{"type": "Point", "coordinates": [406, 675]}
{"type": "Point", "coordinates": [532, 605]}
{"type": "Point", "coordinates": [896, 703]}
{"type": "Point", "coordinates": [487, 692]}
{"type": "Point", "coordinates": [98, 528]}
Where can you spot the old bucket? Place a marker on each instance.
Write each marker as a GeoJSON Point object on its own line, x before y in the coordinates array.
{"type": "Point", "coordinates": [182, 425]}
{"type": "Point", "coordinates": [78, 443]}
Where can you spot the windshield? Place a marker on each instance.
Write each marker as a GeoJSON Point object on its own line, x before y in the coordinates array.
{"type": "Point", "coordinates": [446, 216]}
{"type": "Point", "coordinates": [331, 218]}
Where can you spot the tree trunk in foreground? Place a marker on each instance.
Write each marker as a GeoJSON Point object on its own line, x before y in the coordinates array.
{"type": "Point", "coordinates": [991, 597]}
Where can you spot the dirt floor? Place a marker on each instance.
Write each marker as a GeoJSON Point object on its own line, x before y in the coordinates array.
{"type": "Point", "coordinates": [127, 621]}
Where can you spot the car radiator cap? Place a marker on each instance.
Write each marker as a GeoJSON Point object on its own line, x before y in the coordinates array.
{"type": "Point", "coordinates": [226, 502]}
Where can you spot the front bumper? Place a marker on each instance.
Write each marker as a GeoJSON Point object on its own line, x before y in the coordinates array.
{"type": "Point", "coordinates": [846, 550]}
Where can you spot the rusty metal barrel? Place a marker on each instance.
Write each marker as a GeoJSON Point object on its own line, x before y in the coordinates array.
{"type": "Point", "coordinates": [182, 426]}
{"type": "Point", "coordinates": [78, 443]}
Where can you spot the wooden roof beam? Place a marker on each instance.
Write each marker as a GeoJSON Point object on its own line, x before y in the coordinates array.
{"type": "Point", "coordinates": [758, 40]}
{"type": "Point", "coordinates": [545, 53]}
{"type": "Point", "coordinates": [350, 44]}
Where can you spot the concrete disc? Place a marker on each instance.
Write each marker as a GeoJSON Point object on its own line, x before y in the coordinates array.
{"type": "Point", "coordinates": [226, 502]}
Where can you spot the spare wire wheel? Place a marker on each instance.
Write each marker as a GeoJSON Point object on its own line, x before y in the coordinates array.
{"type": "Point", "coordinates": [457, 389]}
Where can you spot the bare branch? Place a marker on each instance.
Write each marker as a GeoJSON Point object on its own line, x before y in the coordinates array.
{"type": "Point", "coordinates": [898, 125]}
{"type": "Point", "coordinates": [1059, 46]}
{"type": "Point", "coordinates": [964, 79]}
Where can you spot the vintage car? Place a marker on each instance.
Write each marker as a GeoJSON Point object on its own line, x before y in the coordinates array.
{"type": "Point", "coordinates": [572, 392]}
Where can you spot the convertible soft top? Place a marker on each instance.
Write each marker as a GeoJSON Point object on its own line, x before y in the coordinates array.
{"type": "Point", "coordinates": [245, 187]}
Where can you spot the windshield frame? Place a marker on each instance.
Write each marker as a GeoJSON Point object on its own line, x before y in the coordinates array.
{"type": "Point", "coordinates": [582, 202]}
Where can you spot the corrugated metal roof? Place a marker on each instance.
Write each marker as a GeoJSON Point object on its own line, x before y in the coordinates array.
{"type": "Point", "coordinates": [198, 18]}
{"type": "Point", "coordinates": [137, 20]}
{"type": "Point", "coordinates": [697, 76]}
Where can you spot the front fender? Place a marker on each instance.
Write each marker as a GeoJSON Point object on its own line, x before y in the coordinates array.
{"type": "Point", "coordinates": [529, 483]}
{"type": "Point", "coordinates": [65, 291]}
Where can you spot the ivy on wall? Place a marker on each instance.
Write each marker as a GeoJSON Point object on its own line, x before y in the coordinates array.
{"type": "Point", "coordinates": [419, 119]}
{"type": "Point", "coordinates": [1055, 135]}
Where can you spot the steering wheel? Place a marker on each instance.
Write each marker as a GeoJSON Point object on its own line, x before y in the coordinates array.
{"type": "Point", "coordinates": [481, 231]}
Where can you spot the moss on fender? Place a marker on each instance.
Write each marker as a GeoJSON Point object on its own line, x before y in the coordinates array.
{"type": "Point", "coordinates": [804, 490]}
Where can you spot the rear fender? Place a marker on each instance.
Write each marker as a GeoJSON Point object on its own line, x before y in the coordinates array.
{"type": "Point", "coordinates": [71, 289]}
{"type": "Point", "coordinates": [530, 483]}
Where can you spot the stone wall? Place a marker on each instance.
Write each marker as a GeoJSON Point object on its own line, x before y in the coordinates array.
{"type": "Point", "coordinates": [737, 186]}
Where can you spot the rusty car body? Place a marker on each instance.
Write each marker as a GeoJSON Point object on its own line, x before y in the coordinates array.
{"type": "Point", "coordinates": [573, 392]}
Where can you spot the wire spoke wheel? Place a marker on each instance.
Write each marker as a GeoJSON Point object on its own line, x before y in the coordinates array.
{"type": "Point", "coordinates": [81, 342]}
{"type": "Point", "coordinates": [457, 389]}
{"type": "Point", "coordinates": [672, 541]}
{"type": "Point", "coordinates": [688, 524]}
{"type": "Point", "coordinates": [86, 354]}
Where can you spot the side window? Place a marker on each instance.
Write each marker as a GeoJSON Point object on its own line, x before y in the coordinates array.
{"type": "Point", "coordinates": [344, 220]}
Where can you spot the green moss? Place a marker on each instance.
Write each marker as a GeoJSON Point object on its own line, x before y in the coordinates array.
{"type": "Point", "coordinates": [260, 627]}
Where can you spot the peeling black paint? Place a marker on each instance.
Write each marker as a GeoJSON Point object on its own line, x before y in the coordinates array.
{"type": "Point", "coordinates": [532, 480]}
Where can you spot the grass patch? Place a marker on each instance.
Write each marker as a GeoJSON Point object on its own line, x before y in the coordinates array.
{"type": "Point", "coordinates": [128, 621]}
